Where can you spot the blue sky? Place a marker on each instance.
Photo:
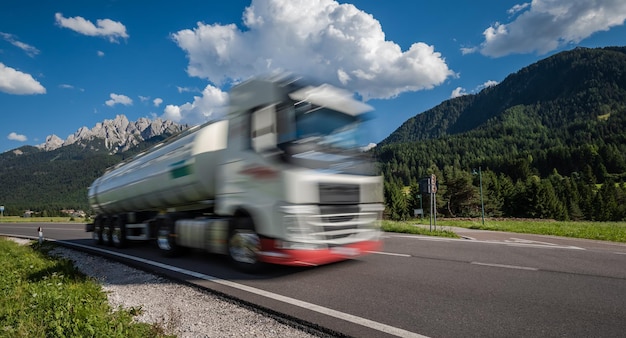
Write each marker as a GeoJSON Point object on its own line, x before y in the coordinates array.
{"type": "Point", "coordinates": [69, 64]}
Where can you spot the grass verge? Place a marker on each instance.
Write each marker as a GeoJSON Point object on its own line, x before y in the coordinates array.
{"type": "Point", "coordinates": [43, 296]}
{"type": "Point", "coordinates": [64, 219]}
{"type": "Point", "coordinates": [416, 228]}
{"type": "Point", "coordinates": [605, 231]}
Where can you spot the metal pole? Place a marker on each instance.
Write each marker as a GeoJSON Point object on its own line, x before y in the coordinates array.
{"type": "Point", "coordinates": [422, 214]}
{"type": "Point", "coordinates": [482, 204]}
{"type": "Point", "coordinates": [430, 214]}
{"type": "Point", "coordinates": [435, 209]}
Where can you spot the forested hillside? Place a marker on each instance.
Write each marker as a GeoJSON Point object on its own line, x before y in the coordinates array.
{"type": "Point", "coordinates": [550, 141]}
{"type": "Point", "coordinates": [48, 181]}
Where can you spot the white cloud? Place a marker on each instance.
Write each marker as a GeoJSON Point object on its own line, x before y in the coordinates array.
{"type": "Point", "coordinates": [469, 50]}
{"type": "Point", "coordinates": [17, 137]}
{"type": "Point", "coordinates": [518, 8]}
{"type": "Point", "coordinates": [100, 53]}
{"type": "Point", "coordinates": [186, 89]}
{"type": "Point", "coordinates": [113, 30]}
{"type": "Point", "coordinates": [119, 99]}
{"type": "Point", "coordinates": [211, 105]}
{"type": "Point", "coordinates": [458, 91]}
{"type": "Point", "coordinates": [143, 98]}
{"type": "Point", "coordinates": [12, 39]}
{"type": "Point", "coordinates": [489, 83]}
{"type": "Point", "coordinates": [333, 42]}
{"type": "Point", "coordinates": [549, 24]}
{"type": "Point", "coordinates": [157, 102]}
{"type": "Point", "coordinates": [66, 86]}
{"type": "Point", "coordinates": [15, 82]}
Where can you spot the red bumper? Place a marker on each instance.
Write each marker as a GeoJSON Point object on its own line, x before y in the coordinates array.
{"type": "Point", "coordinates": [270, 254]}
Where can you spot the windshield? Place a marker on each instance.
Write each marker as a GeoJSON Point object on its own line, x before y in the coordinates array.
{"type": "Point", "coordinates": [329, 127]}
{"type": "Point", "coordinates": [321, 138]}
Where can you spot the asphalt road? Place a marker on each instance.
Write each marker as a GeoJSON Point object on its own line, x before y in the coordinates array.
{"type": "Point", "coordinates": [492, 285]}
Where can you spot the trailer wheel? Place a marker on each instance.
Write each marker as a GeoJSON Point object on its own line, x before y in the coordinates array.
{"type": "Point", "coordinates": [166, 238]}
{"type": "Point", "coordinates": [96, 235]}
{"type": "Point", "coordinates": [107, 228]}
{"type": "Point", "coordinates": [118, 234]}
{"type": "Point", "coordinates": [244, 245]}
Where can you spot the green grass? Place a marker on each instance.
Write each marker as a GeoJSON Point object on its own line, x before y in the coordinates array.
{"type": "Point", "coordinates": [416, 228]}
{"type": "Point", "coordinates": [19, 219]}
{"type": "Point", "coordinates": [44, 296]}
{"type": "Point", "coordinates": [605, 231]}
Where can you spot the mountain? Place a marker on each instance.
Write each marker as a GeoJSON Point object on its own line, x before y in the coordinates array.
{"type": "Point", "coordinates": [578, 85]}
{"type": "Point", "coordinates": [117, 135]}
{"type": "Point", "coordinates": [55, 175]}
{"type": "Point", "coordinates": [550, 140]}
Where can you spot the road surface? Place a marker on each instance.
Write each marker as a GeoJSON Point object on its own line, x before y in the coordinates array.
{"type": "Point", "coordinates": [493, 285]}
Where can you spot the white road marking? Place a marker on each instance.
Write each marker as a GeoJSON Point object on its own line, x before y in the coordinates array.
{"type": "Point", "coordinates": [506, 266]}
{"type": "Point", "coordinates": [388, 253]}
{"type": "Point", "coordinates": [296, 302]}
{"type": "Point", "coordinates": [517, 243]}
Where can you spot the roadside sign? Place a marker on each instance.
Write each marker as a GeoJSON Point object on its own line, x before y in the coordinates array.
{"type": "Point", "coordinates": [433, 184]}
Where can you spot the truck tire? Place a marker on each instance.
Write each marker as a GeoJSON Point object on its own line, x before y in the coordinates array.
{"type": "Point", "coordinates": [118, 233]}
{"type": "Point", "coordinates": [166, 238]}
{"type": "Point", "coordinates": [107, 228]}
{"type": "Point", "coordinates": [96, 235]}
{"type": "Point", "coordinates": [244, 245]}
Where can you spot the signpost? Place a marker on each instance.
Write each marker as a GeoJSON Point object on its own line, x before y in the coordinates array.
{"type": "Point", "coordinates": [1, 212]}
{"type": "Point", "coordinates": [429, 185]}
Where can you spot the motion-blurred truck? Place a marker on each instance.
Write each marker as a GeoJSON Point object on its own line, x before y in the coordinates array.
{"type": "Point", "coordinates": [279, 180]}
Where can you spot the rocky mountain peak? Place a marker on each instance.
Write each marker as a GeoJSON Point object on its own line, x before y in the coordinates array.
{"type": "Point", "coordinates": [119, 134]}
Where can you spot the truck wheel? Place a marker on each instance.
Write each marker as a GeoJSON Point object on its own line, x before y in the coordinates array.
{"type": "Point", "coordinates": [118, 234]}
{"type": "Point", "coordinates": [166, 238]}
{"type": "Point", "coordinates": [244, 245]}
{"type": "Point", "coordinates": [96, 235]}
{"type": "Point", "coordinates": [106, 231]}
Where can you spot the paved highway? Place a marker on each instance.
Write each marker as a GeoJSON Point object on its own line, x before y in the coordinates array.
{"type": "Point", "coordinates": [492, 285]}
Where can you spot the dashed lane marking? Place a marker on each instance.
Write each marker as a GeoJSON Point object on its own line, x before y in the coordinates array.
{"type": "Point", "coordinates": [506, 266]}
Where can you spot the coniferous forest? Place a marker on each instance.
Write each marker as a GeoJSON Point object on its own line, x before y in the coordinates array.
{"type": "Point", "coordinates": [547, 142]}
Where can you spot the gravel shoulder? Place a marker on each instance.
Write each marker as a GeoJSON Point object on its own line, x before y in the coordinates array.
{"type": "Point", "coordinates": [179, 309]}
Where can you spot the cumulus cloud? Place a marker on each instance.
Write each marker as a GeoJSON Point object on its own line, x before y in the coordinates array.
{"type": "Point", "coordinates": [337, 43]}
{"type": "Point", "coordinates": [546, 25]}
{"type": "Point", "coordinates": [100, 53]}
{"type": "Point", "coordinates": [119, 99]}
{"type": "Point", "coordinates": [211, 105]}
{"type": "Point", "coordinates": [15, 82]}
{"type": "Point", "coordinates": [113, 30]}
{"type": "Point", "coordinates": [489, 83]}
{"type": "Point", "coordinates": [12, 39]}
{"type": "Point", "coordinates": [458, 91]}
{"type": "Point", "coordinates": [17, 137]}
{"type": "Point", "coordinates": [157, 102]}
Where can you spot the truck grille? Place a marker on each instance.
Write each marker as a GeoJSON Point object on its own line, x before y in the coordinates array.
{"type": "Point", "coordinates": [331, 193]}
{"type": "Point", "coordinates": [342, 224]}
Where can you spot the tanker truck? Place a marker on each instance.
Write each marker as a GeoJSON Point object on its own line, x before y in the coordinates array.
{"type": "Point", "coordinates": [278, 180]}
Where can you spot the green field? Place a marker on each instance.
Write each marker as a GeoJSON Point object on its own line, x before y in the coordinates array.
{"type": "Point", "coordinates": [605, 231]}
{"type": "Point", "coordinates": [44, 296]}
{"type": "Point", "coordinates": [19, 219]}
